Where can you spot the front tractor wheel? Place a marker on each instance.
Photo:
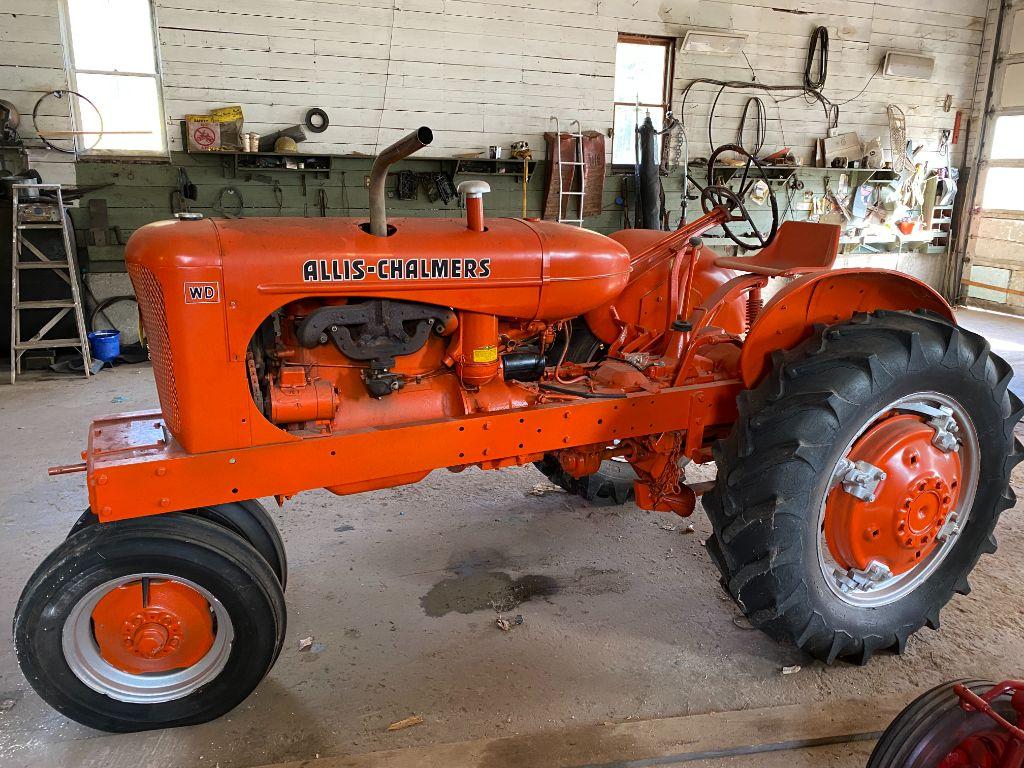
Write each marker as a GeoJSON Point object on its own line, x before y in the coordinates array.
{"type": "Point", "coordinates": [149, 623]}
{"type": "Point", "coordinates": [862, 482]}
{"type": "Point", "coordinates": [249, 519]}
{"type": "Point", "coordinates": [935, 731]}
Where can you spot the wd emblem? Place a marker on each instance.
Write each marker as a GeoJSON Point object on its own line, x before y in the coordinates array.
{"type": "Point", "coordinates": [202, 293]}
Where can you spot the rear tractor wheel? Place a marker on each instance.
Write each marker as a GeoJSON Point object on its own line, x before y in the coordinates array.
{"type": "Point", "coordinates": [149, 623]}
{"type": "Point", "coordinates": [862, 482]}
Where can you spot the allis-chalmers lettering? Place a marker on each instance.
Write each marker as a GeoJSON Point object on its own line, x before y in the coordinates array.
{"type": "Point", "coordinates": [332, 270]}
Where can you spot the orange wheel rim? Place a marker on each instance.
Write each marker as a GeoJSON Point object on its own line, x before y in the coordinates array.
{"type": "Point", "coordinates": [158, 627]}
{"type": "Point", "coordinates": [897, 499]}
{"type": "Point", "coordinates": [147, 638]}
{"type": "Point", "coordinates": [900, 526]}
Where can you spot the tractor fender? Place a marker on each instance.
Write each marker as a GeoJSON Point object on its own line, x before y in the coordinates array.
{"type": "Point", "coordinates": [829, 297]}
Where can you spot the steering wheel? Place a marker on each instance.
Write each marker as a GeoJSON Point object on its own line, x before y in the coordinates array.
{"type": "Point", "coordinates": [717, 196]}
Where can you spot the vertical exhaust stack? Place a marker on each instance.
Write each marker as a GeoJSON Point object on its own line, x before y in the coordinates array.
{"type": "Point", "coordinates": [400, 150]}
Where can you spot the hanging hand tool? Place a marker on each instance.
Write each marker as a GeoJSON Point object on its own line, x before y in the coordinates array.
{"type": "Point", "coordinates": [830, 196]}
{"type": "Point", "coordinates": [185, 192]}
{"type": "Point", "coordinates": [225, 194]}
{"type": "Point", "coordinates": [793, 185]}
{"type": "Point", "coordinates": [278, 197]}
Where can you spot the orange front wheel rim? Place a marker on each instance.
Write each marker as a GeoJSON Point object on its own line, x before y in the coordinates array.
{"type": "Point", "coordinates": [147, 638]}
{"type": "Point", "coordinates": [153, 625]}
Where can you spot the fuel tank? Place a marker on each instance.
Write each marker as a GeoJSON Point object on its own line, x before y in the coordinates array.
{"type": "Point", "coordinates": [644, 301]}
{"type": "Point", "coordinates": [531, 270]}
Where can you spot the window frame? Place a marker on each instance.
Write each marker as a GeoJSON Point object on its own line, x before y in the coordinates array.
{"type": "Point", "coordinates": [669, 44]}
{"type": "Point", "coordinates": [989, 164]}
{"type": "Point", "coordinates": [71, 72]}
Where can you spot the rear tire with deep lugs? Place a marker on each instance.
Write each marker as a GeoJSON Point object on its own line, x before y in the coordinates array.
{"type": "Point", "coordinates": [778, 467]}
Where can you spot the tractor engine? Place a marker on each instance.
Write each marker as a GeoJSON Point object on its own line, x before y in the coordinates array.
{"type": "Point", "coordinates": [317, 366]}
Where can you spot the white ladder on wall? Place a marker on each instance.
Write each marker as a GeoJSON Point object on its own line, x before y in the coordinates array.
{"type": "Point", "coordinates": [567, 195]}
{"type": "Point", "coordinates": [25, 255]}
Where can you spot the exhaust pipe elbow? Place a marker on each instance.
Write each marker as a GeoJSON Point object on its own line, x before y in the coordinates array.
{"type": "Point", "coordinates": [400, 150]}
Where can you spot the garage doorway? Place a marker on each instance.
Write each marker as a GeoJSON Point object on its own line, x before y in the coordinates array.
{"type": "Point", "coordinates": [993, 273]}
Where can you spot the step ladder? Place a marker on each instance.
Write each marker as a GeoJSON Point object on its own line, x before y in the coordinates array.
{"type": "Point", "coordinates": [566, 194]}
{"type": "Point", "coordinates": [25, 255]}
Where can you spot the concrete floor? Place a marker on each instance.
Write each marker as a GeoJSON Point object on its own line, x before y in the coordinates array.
{"type": "Point", "coordinates": [392, 586]}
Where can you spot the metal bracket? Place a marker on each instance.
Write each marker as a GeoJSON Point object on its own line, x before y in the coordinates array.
{"type": "Point", "coordinates": [941, 420]}
{"type": "Point", "coordinates": [945, 426]}
{"type": "Point", "coordinates": [862, 581]}
{"type": "Point", "coordinates": [950, 528]}
{"type": "Point", "coordinates": [859, 478]}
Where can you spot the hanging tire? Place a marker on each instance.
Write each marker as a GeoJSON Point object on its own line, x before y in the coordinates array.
{"type": "Point", "coordinates": [149, 623]}
{"type": "Point", "coordinates": [862, 481]}
{"type": "Point", "coordinates": [935, 730]}
{"type": "Point", "coordinates": [249, 519]}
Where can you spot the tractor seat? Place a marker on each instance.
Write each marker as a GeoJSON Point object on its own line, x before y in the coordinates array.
{"type": "Point", "coordinates": [799, 248]}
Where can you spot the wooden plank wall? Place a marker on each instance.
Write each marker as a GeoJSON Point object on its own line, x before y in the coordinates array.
{"type": "Point", "coordinates": [996, 242]}
{"type": "Point", "coordinates": [32, 63]}
{"type": "Point", "coordinates": [494, 71]}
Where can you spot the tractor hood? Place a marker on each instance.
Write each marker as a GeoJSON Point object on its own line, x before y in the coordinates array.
{"type": "Point", "coordinates": [515, 268]}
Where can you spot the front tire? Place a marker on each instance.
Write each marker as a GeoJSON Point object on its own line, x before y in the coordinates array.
{"type": "Point", "coordinates": [249, 519]}
{"type": "Point", "coordinates": [935, 729]}
{"type": "Point", "coordinates": [149, 623]}
{"type": "Point", "coordinates": [845, 387]}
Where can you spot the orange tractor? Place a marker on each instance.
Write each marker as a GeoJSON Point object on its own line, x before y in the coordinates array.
{"type": "Point", "coordinates": [863, 440]}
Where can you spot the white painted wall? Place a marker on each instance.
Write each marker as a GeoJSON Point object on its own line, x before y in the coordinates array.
{"type": "Point", "coordinates": [31, 63]}
{"type": "Point", "coordinates": [483, 72]}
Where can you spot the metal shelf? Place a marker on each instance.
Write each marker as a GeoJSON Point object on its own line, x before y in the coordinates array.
{"type": "Point", "coordinates": [785, 171]}
{"type": "Point", "coordinates": [232, 162]}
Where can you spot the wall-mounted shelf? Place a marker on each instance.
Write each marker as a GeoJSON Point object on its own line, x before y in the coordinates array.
{"type": "Point", "coordinates": [485, 166]}
{"type": "Point", "coordinates": [783, 172]}
{"type": "Point", "coordinates": [320, 165]}
{"type": "Point", "coordinates": [292, 162]}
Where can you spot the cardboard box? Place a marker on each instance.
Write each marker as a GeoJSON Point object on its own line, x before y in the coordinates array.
{"type": "Point", "coordinates": [231, 122]}
{"type": "Point", "coordinates": [203, 133]}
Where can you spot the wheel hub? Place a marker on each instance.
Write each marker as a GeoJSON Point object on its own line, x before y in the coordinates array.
{"type": "Point", "coordinates": [979, 750]}
{"type": "Point", "coordinates": [154, 627]}
{"type": "Point", "coordinates": [900, 524]}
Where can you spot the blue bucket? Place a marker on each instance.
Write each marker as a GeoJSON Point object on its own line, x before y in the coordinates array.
{"type": "Point", "coordinates": [105, 345]}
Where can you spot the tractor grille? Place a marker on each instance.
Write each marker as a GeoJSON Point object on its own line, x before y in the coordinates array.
{"type": "Point", "coordinates": [154, 320]}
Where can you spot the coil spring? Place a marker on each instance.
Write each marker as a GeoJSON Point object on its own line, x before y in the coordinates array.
{"type": "Point", "coordinates": [754, 306]}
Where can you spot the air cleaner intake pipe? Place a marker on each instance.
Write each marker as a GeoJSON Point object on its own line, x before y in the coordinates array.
{"type": "Point", "coordinates": [400, 150]}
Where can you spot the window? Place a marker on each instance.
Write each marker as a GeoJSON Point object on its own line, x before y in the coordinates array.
{"type": "Point", "coordinates": [643, 85]}
{"type": "Point", "coordinates": [113, 62]}
{"type": "Point", "coordinates": [1005, 173]}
